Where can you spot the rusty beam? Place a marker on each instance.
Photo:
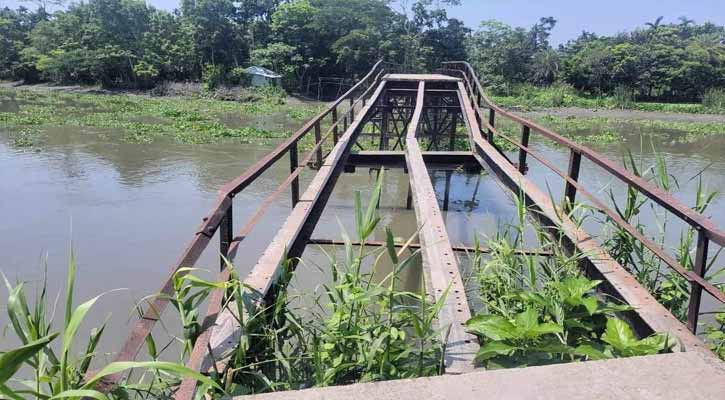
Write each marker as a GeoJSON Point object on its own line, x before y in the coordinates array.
{"type": "Point", "coordinates": [443, 278]}
{"type": "Point", "coordinates": [289, 242]}
{"type": "Point", "coordinates": [396, 159]}
{"type": "Point", "coordinates": [457, 248]}
{"type": "Point", "coordinates": [206, 347]}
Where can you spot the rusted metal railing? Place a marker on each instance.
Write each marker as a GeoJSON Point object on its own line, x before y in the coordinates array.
{"type": "Point", "coordinates": [707, 231]}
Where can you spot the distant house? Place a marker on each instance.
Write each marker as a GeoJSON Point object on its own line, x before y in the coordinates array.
{"type": "Point", "coordinates": [261, 76]}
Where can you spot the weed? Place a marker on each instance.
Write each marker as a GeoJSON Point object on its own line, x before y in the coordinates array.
{"type": "Point", "coordinates": [57, 375]}
{"type": "Point", "coordinates": [530, 97]}
{"type": "Point", "coordinates": [610, 130]}
{"type": "Point", "coordinates": [142, 119]}
{"type": "Point", "coordinates": [542, 310]}
{"type": "Point", "coordinates": [667, 286]}
{"type": "Point", "coordinates": [362, 328]}
{"type": "Point", "coordinates": [714, 100]}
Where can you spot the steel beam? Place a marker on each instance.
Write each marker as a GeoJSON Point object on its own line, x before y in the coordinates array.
{"type": "Point", "coordinates": [439, 160]}
{"type": "Point", "coordinates": [443, 278]}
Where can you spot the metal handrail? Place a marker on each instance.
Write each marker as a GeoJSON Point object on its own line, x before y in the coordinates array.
{"type": "Point", "coordinates": [666, 200]}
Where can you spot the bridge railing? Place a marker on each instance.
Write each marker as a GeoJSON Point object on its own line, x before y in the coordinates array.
{"type": "Point", "coordinates": [706, 230]}
{"type": "Point", "coordinates": [341, 113]}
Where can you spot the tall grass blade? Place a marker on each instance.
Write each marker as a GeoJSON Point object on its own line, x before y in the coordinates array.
{"type": "Point", "coordinates": [12, 360]}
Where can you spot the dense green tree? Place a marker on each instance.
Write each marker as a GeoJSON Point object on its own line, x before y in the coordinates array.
{"type": "Point", "coordinates": [126, 42]}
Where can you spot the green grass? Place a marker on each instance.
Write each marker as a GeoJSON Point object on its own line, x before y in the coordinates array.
{"type": "Point", "coordinates": [529, 97]}
{"type": "Point", "coordinates": [601, 130]}
{"type": "Point", "coordinates": [142, 119]}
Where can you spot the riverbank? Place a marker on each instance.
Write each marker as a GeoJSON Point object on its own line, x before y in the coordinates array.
{"type": "Point", "coordinates": [532, 98]}
{"type": "Point", "coordinates": [620, 114]}
{"type": "Point", "coordinates": [30, 111]}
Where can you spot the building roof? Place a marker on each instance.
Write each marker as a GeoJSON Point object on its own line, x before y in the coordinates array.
{"type": "Point", "coordinates": [256, 70]}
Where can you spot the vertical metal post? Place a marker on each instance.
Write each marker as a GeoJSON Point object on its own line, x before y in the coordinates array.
{"type": "Point", "coordinates": [575, 159]}
{"type": "Point", "coordinates": [226, 235]}
{"type": "Point", "coordinates": [334, 125]}
{"type": "Point", "coordinates": [293, 164]}
{"type": "Point", "coordinates": [318, 138]}
{"type": "Point", "coordinates": [478, 98]}
{"type": "Point", "coordinates": [454, 125]}
{"type": "Point", "coordinates": [492, 122]}
{"type": "Point", "coordinates": [352, 109]}
{"type": "Point", "coordinates": [525, 132]}
{"type": "Point", "coordinates": [693, 310]}
{"type": "Point", "coordinates": [384, 123]}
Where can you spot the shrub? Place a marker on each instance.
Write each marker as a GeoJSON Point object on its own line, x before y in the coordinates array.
{"type": "Point", "coordinates": [212, 75]}
{"type": "Point", "coordinates": [238, 76]}
{"type": "Point", "coordinates": [623, 97]}
{"type": "Point", "coordinates": [714, 99]}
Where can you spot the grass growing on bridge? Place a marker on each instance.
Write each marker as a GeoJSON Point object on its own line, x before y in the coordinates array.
{"type": "Point", "coordinates": [542, 310]}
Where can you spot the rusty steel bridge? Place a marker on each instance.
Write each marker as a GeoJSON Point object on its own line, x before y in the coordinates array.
{"type": "Point", "coordinates": [415, 121]}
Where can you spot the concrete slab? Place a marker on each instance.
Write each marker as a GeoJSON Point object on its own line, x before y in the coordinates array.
{"type": "Point", "coordinates": [667, 376]}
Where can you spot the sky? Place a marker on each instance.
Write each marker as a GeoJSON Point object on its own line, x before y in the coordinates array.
{"type": "Point", "coordinates": [605, 17]}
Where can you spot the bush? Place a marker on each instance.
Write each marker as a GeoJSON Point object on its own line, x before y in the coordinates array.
{"type": "Point", "coordinates": [714, 99]}
{"type": "Point", "coordinates": [623, 97]}
{"type": "Point", "coordinates": [238, 76]}
{"type": "Point", "coordinates": [212, 76]}
{"type": "Point", "coordinates": [145, 73]}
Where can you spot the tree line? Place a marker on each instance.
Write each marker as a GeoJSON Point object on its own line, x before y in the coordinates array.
{"type": "Point", "coordinates": [126, 43]}
{"type": "Point", "coordinates": [678, 61]}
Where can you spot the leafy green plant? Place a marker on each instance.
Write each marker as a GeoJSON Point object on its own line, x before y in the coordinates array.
{"type": "Point", "coordinates": [56, 375]}
{"type": "Point", "coordinates": [541, 310]}
{"type": "Point", "coordinates": [714, 100]}
{"type": "Point", "coordinates": [623, 97]}
{"type": "Point", "coordinates": [141, 119]}
{"type": "Point", "coordinates": [362, 327]}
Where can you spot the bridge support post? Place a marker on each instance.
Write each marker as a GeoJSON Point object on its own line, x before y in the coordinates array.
{"type": "Point", "coordinates": [693, 309]}
{"type": "Point", "coordinates": [492, 123]}
{"type": "Point", "coordinates": [293, 164]}
{"type": "Point", "coordinates": [525, 132]}
{"type": "Point", "coordinates": [334, 125]}
{"type": "Point", "coordinates": [454, 125]}
{"type": "Point", "coordinates": [318, 139]}
{"type": "Point", "coordinates": [226, 235]}
{"type": "Point", "coordinates": [575, 159]}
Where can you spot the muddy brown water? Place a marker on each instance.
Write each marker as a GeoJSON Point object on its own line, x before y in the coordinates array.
{"type": "Point", "coordinates": [128, 210]}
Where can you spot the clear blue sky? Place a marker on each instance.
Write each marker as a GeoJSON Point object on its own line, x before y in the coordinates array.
{"type": "Point", "coordinates": [601, 16]}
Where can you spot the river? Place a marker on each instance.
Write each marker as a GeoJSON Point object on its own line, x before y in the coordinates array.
{"type": "Point", "coordinates": [128, 210]}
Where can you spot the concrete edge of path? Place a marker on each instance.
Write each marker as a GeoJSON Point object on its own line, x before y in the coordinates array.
{"type": "Point", "coordinates": [688, 375]}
